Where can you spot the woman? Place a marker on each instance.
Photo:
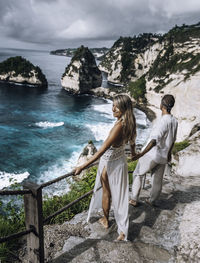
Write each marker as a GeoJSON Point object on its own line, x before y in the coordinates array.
{"type": "Point", "coordinates": [157, 153]}
{"type": "Point", "coordinates": [112, 172]}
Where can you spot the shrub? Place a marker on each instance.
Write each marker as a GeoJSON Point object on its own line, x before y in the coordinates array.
{"type": "Point", "coordinates": [138, 89]}
{"type": "Point", "coordinates": [179, 146]}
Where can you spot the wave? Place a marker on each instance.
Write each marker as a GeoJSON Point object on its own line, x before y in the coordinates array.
{"type": "Point", "coordinates": [100, 130]}
{"type": "Point", "coordinates": [60, 168]}
{"type": "Point", "coordinates": [47, 124]}
{"type": "Point", "coordinates": [7, 179]}
{"type": "Point", "coordinates": [105, 109]}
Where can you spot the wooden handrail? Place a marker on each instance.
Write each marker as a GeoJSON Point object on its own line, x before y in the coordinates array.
{"type": "Point", "coordinates": [67, 206]}
{"type": "Point", "coordinates": [15, 192]}
{"type": "Point", "coordinates": [16, 235]}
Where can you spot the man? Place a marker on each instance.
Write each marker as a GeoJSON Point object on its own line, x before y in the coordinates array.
{"type": "Point", "coordinates": [156, 154]}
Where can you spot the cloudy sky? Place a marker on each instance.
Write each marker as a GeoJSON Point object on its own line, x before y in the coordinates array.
{"type": "Point", "coordinates": [53, 24]}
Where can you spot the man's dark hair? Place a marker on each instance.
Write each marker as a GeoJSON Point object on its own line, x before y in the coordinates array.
{"type": "Point", "coordinates": [168, 102]}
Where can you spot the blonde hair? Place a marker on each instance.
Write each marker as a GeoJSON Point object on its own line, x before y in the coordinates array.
{"type": "Point", "coordinates": [124, 104]}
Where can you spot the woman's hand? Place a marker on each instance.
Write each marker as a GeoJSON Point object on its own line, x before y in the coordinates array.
{"type": "Point", "coordinates": [136, 156]}
{"type": "Point", "coordinates": [78, 170]}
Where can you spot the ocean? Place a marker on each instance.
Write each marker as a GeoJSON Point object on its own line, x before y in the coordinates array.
{"type": "Point", "coordinates": [42, 132]}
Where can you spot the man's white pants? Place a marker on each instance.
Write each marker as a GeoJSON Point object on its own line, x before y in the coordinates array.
{"type": "Point", "coordinates": [145, 165]}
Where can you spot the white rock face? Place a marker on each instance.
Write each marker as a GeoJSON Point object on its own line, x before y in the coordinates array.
{"type": "Point", "coordinates": [33, 80]}
{"type": "Point", "coordinates": [187, 96]}
{"type": "Point", "coordinates": [188, 159]}
{"type": "Point", "coordinates": [71, 81]}
{"type": "Point", "coordinates": [189, 247]}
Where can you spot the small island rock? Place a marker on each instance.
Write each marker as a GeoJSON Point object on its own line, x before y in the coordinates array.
{"type": "Point", "coordinates": [82, 74]}
{"type": "Point", "coordinates": [19, 70]}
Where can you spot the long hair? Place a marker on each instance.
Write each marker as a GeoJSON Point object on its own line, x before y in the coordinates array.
{"type": "Point", "coordinates": [124, 104]}
{"type": "Point", "coordinates": [168, 102]}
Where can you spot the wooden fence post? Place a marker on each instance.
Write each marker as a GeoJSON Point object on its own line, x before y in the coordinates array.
{"type": "Point", "coordinates": [34, 219]}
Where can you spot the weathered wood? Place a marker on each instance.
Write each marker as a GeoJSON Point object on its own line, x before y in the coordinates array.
{"type": "Point", "coordinates": [34, 220]}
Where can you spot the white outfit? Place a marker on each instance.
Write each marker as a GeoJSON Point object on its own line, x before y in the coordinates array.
{"type": "Point", "coordinates": [155, 160]}
{"type": "Point", "coordinates": [114, 160]}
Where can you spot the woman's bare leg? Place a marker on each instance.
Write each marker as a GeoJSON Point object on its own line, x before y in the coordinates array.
{"type": "Point", "coordinates": [105, 198]}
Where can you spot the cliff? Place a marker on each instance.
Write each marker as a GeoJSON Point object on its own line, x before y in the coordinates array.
{"type": "Point", "coordinates": [20, 70]}
{"type": "Point", "coordinates": [152, 65]}
{"type": "Point", "coordinates": [82, 74]}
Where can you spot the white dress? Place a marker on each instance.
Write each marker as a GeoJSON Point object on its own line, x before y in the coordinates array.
{"type": "Point", "coordinates": [114, 160]}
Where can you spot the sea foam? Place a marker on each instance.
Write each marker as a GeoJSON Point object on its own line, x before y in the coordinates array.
{"type": "Point", "coordinates": [7, 179]}
{"type": "Point", "coordinates": [47, 124]}
{"type": "Point", "coordinates": [62, 167]}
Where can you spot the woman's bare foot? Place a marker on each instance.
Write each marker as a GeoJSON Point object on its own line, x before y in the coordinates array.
{"type": "Point", "coordinates": [104, 222]}
{"type": "Point", "coordinates": [121, 237]}
{"type": "Point", "coordinates": [133, 202]}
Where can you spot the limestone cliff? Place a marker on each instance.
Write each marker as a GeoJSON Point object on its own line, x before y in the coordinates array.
{"type": "Point", "coordinates": [152, 65]}
{"type": "Point", "coordinates": [20, 70]}
{"type": "Point", "coordinates": [82, 74]}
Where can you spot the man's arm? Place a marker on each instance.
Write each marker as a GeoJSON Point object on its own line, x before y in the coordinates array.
{"type": "Point", "coordinates": [150, 145]}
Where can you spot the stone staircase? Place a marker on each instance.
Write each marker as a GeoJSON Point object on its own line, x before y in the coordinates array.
{"type": "Point", "coordinates": [155, 233]}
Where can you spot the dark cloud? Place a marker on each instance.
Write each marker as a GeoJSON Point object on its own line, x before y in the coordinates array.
{"type": "Point", "coordinates": [63, 23]}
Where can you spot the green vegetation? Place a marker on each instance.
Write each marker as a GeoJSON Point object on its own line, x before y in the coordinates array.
{"type": "Point", "coordinates": [84, 55]}
{"type": "Point", "coordinates": [181, 34]}
{"type": "Point", "coordinates": [22, 67]}
{"type": "Point", "coordinates": [179, 146]}
{"type": "Point", "coordinates": [131, 168]}
{"type": "Point", "coordinates": [11, 221]}
{"type": "Point", "coordinates": [137, 89]}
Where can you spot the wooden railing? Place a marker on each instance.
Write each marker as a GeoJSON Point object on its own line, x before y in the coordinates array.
{"type": "Point", "coordinates": [34, 220]}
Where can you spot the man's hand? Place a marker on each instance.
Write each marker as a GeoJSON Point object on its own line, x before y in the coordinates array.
{"type": "Point", "coordinates": [136, 156]}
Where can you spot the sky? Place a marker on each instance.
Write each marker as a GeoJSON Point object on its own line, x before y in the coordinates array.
{"type": "Point", "coordinates": [57, 24]}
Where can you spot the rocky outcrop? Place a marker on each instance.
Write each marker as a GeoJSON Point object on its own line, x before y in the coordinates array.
{"type": "Point", "coordinates": [88, 151]}
{"type": "Point", "coordinates": [20, 70]}
{"type": "Point", "coordinates": [82, 74]}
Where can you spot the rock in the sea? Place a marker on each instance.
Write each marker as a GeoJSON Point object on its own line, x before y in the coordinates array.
{"type": "Point", "coordinates": [82, 74]}
{"type": "Point", "coordinates": [86, 154]}
{"type": "Point", "coordinates": [20, 70]}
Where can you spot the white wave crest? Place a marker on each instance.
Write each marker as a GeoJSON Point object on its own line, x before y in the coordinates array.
{"type": "Point", "coordinates": [47, 124]}
{"type": "Point", "coordinates": [57, 170]}
{"type": "Point", "coordinates": [105, 109]}
{"type": "Point", "coordinates": [7, 179]}
{"type": "Point", "coordinates": [100, 130]}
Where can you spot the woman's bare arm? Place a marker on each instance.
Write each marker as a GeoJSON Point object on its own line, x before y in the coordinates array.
{"type": "Point", "coordinates": [114, 134]}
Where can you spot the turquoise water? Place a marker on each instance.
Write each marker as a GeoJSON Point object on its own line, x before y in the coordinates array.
{"type": "Point", "coordinates": [42, 132]}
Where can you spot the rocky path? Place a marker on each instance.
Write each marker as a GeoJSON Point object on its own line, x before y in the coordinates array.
{"type": "Point", "coordinates": [168, 232]}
